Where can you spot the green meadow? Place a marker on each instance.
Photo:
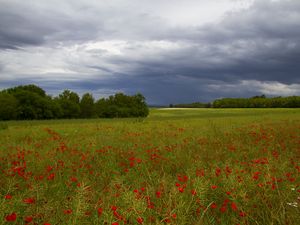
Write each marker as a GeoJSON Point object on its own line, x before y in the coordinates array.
{"type": "Point", "coordinates": [177, 166]}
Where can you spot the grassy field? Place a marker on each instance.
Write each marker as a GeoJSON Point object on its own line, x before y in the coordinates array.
{"type": "Point", "coordinates": [196, 166]}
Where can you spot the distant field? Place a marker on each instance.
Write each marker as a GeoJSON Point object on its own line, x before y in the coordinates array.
{"type": "Point", "coordinates": [178, 166]}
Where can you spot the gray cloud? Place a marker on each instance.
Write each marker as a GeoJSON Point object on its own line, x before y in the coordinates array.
{"type": "Point", "coordinates": [132, 46]}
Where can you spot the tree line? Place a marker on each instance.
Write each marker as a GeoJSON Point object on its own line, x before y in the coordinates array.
{"type": "Point", "coordinates": [30, 102]}
{"type": "Point", "coordinates": [258, 102]}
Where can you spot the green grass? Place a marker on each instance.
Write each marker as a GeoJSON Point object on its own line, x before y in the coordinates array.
{"type": "Point", "coordinates": [189, 166]}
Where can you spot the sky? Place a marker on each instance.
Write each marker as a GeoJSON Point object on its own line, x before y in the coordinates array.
{"type": "Point", "coordinates": [171, 51]}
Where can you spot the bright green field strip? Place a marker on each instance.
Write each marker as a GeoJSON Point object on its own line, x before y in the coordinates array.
{"type": "Point", "coordinates": [212, 113]}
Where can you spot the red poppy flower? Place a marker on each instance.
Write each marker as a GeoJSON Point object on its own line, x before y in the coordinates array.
{"type": "Point", "coordinates": [181, 189]}
{"type": "Point", "coordinates": [213, 205]}
{"type": "Point", "coordinates": [218, 171]}
{"type": "Point", "coordinates": [167, 220]}
{"type": "Point", "coordinates": [223, 209]}
{"type": "Point", "coordinates": [51, 176]}
{"type": "Point", "coordinates": [68, 211]}
{"type": "Point", "coordinates": [100, 211]}
{"type": "Point", "coordinates": [158, 194]}
{"type": "Point", "coordinates": [29, 200]}
{"type": "Point", "coordinates": [12, 217]}
{"type": "Point", "coordinates": [140, 220]}
{"type": "Point", "coordinates": [214, 186]}
{"type": "Point", "coordinates": [143, 189]}
{"type": "Point", "coordinates": [8, 197]}
{"type": "Point", "coordinates": [242, 214]}
{"type": "Point", "coordinates": [117, 215]}
{"type": "Point", "coordinates": [28, 219]}
{"type": "Point", "coordinates": [73, 179]}
{"type": "Point", "coordinates": [233, 206]}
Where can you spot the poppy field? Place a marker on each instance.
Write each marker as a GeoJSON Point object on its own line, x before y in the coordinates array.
{"type": "Point", "coordinates": [193, 167]}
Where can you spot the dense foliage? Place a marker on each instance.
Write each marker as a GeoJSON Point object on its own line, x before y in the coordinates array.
{"type": "Point", "coordinates": [258, 102]}
{"type": "Point", "coordinates": [31, 102]}
{"type": "Point", "coordinates": [254, 102]}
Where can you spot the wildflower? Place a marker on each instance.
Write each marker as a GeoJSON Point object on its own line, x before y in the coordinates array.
{"type": "Point", "coordinates": [228, 170]}
{"type": "Point", "coordinates": [99, 211]}
{"type": "Point", "coordinates": [143, 189]}
{"type": "Point", "coordinates": [49, 168]}
{"type": "Point", "coordinates": [140, 220]}
{"type": "Point", "coordinates": [51, 176]}
{"type": "Point", "coordinates": [294, 204]}
{"type": "Point", "coordinates": [213, 205]}
{"type": "Point", "coordinates": [182, 178]}
{"type": "Point", "coordinates": [158, 194]}
{"type": "Point", "coordinates": [174, 215]}
{"type": "Point", "coordinates": [167, 220]}
{"type": "Point", "coordinates": [260, 185]}
{"type": "Point", "coordinates": [28, 219]}
{"type": "Point", "coordinates": [226, 201]}
{"type": "Point", "coordinates": [151, 205]}
{"type": "Point", "coordinates": [115, 223]}
{"type": "Point", "coordinates": [242, 214]}
{"type": "Point", "coordinates": [8, 196]}
{"type": "Point", "coordinates": [213, 187]}
{"type": "Point", "coordinates": [47, 224]}
{"type": "Point", "coordinates": [73, 179]}
{"type": "Point", "coordinates": [68, 211]}
{"type": "Point", "coordinates": [181, 189]}
{"type": "Point", "coordinates": [256, 175]}
{"type": "Point", "coordinates": [117, 215]}
{"type": "Point", "coordinates": [113, 208]}
{"type": "Point", "coordinates": [200, 173]}
{"type": "Point", "coordinates": [12, 217]}
{"type": "Point", "coordinates": [193, 192]}
{"type": "Point", "coordinates": [233, 206]}
{"type": "Point", "coordinates": [29, 200]}
{"type": "Point", "coordinates": [223, 209]}
{"type": "Point", "coordinates": [218, 172]}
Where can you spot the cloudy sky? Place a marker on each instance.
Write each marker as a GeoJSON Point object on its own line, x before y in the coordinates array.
{"type": "Point", "coordinates": [172, 51]}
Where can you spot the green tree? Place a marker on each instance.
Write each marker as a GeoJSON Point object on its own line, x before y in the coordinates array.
{"type": "Point", "coordinates": [69, 103]}
{"type": "Point", "coordinates": [8, 107]}
{"type": "Point", "coordinates": [31, 105]}
{"type": "Point", "coordinates": [121, 105]}
{"type": "Point", "coordinates": [29, 87]}
{"type": "Point", "coordinates": [87, 106]}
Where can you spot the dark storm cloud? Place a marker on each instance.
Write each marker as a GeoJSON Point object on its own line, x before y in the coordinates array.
{"type": "Point", "coordinates": [260, 43]}
{"type": "Point", "coordinates": [13, 36]}
{"type": "Point", "coordinates": [263, 40]}
{"type": "Point", "coordinates": [248, 52]}
{"type": "Point", "coordinates": [35, 23]}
